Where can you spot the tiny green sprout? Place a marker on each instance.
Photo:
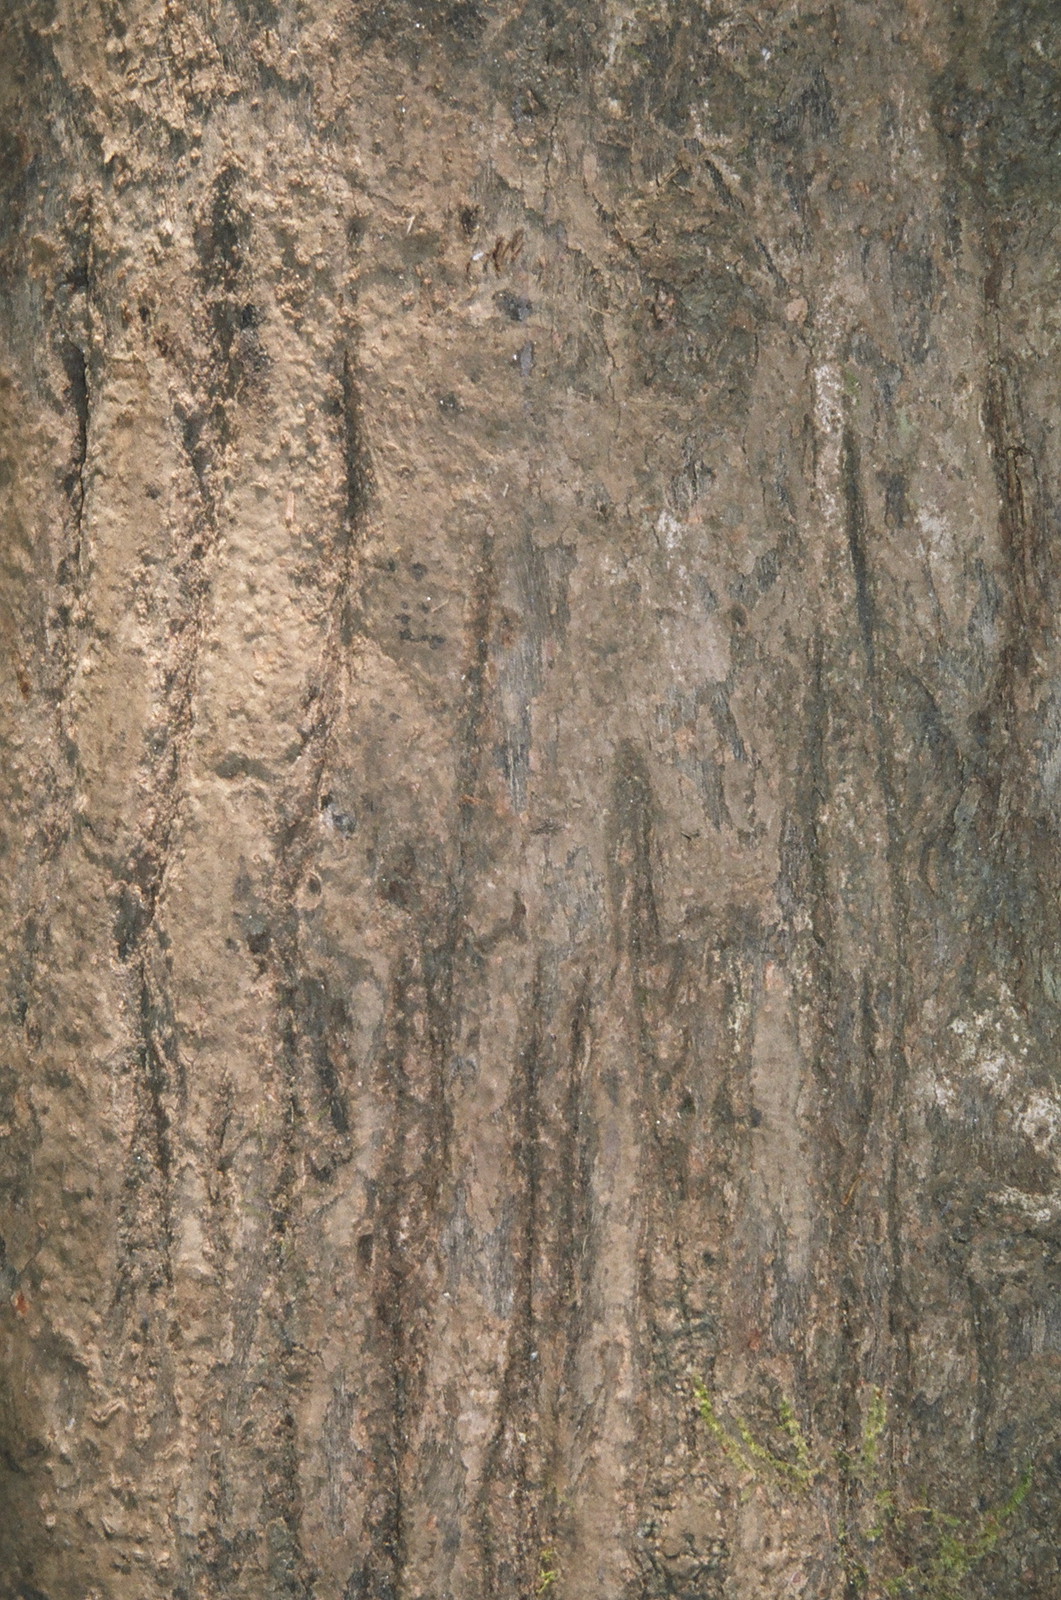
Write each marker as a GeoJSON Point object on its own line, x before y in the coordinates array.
{"type": "Point", "coordinates": [748, 1454]}
{"type": "Point", "coordinates": [881, 1521]}
{"type": "Point", "coordinates": [722, 1436]}
{"type": "Point", "coordinates": [872, 1432]}
{"type": "Point", "coordinates": [797, 1438]}
{"type": "Point", "coordinates": [962, 1544]}
{"type": "Point", "coordinates": [548, 1571]}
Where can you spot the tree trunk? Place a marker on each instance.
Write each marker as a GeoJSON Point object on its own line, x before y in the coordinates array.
{"type": "Point", "coordinates": [531, 794]}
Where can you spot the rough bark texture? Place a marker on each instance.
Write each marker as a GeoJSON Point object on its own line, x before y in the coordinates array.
{"type": "Point", "coordinates": [531, 798]}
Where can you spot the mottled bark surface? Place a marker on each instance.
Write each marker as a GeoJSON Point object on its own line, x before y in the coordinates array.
{"type": "Point", "coordinates": [530, 798]}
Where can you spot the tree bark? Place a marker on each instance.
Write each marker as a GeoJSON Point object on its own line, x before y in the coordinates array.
{"type": "Point", "coordinates": [531, 797]}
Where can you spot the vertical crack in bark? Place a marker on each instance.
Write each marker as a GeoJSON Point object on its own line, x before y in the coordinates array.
{"type": "Point", "coordinates": [565, 1264]}
{"type": "Point", "coordinates": [845, 1153]}
{"type": "Point", "coordinates": [356, 456]}
{"type": "Point", "coordinates": [1001, 414]}
{"type": "Point", "coordinates": [876, 1108]}
{"type": "Point", "coordinates": [1011, 899]}
{"type": "Point", "coordinates": [469, 759]}
{"type": "Point", "coordinates": [889, 1095]}
{"type": "Point", "coordinates": [815, 806]}
{"type": "Point", "coordinates": [65, 614]}
{"type": "Point", "coordinates": [70, 576]}
{"type": "Point", "coordinates": [845, 1121]}
{"type": "Point", "coordinates": [359, 488]}
{"type": "Point", "coordinates": [636, 938]}
{"type": "Point", "coordinates": [507, 1521]}
{"type": "Point", "coordinates": [305, 1011]}
{"type": "Point", "coordinates": [77, 381]}
{"type": "Point", "coordinates": [574, 1183]}
{"type": "Point", "coordinates": [1018, 530]}
{"type": "Point", "coordinates": [148, 859]}
{"type": "Point", "coordinates": [216, 1552]}
{"type": "Point", "coordinates": [390, 1382]}
{"type": "Point", "coordinates": [147, 1223]}
{"type": "Point", "coordinates": [633, 893]}
{"type": "Point", "coordinates": [441, 955]}
{"type": "Point", "coordinates": [282, 1497]}
{"type": "Point", "coordinates": [1025, 617]}
{"type": "Point", "coordinates": [855, 523]}
{"type": "Point", "coordinates": [143, 873]}
{"type": "Point", "coordinates": [156, 1077]}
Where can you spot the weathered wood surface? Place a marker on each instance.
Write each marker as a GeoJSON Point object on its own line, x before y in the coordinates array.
{"type": "Point", "coordinates": [531, 779]}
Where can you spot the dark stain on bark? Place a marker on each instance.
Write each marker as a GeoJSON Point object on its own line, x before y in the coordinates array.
{"type": "Point", "coordinates": [17, 162]}
{"type": "Point", "coordinates": [222, 240]}
{"type": "Point", "coordinates": [410, 25]}
{"type": "Point", "coordinates": [1009, 103]}
{"type": "Point", "coordinates": [809, 114]}
{"type": "Point", "coordinates": [220, 237]}
{"type": "Point", "coordinates": [915, 283]}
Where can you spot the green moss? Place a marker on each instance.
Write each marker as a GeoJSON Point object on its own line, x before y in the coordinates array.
{"type": "Point", "coordinates": [885, 1545]}
{"type": "Point", "coordinates": [754, 1458]}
